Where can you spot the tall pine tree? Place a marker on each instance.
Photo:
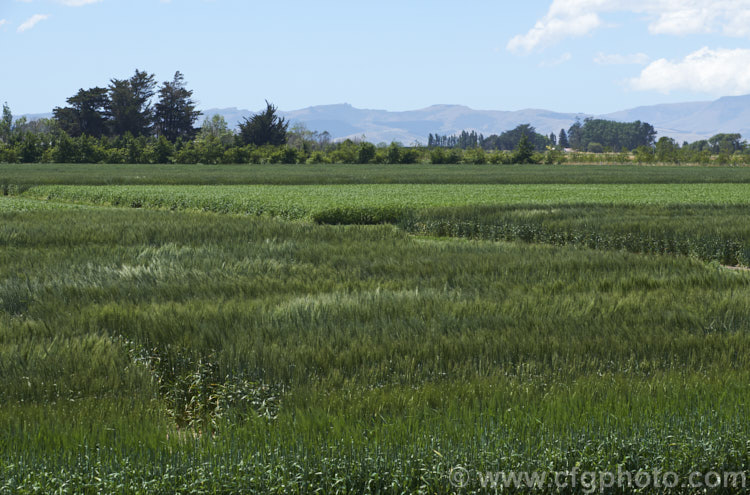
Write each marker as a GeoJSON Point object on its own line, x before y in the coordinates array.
{"type": "Point", "coordinates": [87, 113]}
{"type": "Point", "coordinates": [562, 139]}
{"type": "Point", "coordinates": [524, 152]}
{"type": "Point", "coordinates": [130, 104]}
{"type": "Point", "coordinates": [575, 135]}
{"type": "Point", "coordinates": [6, 124]}
{"type": "Point", "coordinates": [175, 113]}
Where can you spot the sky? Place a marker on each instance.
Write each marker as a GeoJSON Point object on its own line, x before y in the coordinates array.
{"type": "Point", "coordinates": [589, 56]}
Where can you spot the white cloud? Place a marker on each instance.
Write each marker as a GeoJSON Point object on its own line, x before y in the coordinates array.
{"type": "Point", "coordinates": [619, 59]}
{"type": "Point", "coordinates": [78, 3]}
{"type": "Point", "coordinates": [31, 22]}
{"type": "Point", "coordinates": [3, 22]}
{"type": "Point", "coordinates": [552, 29]}
{"type": "Point", "coordinates": [575, 18]}
{"type": "Point", "coordinates": [725, 72]}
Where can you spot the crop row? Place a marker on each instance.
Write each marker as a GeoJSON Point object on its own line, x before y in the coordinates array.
{"type": "Point", "coordinates": [10, 204]}
{"type": "Point", "coordinates": [706, 221]}
{"type": "Point", "coordinates": [710, 233]}
{"type": "Point", "coordinates": [308, 201]}
{"type": "Point", "coordinates": [28, 174]}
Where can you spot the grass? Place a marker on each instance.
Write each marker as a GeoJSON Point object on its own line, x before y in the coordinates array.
{"type": "Point", "coordinates": [374, 203]}
{"type": "Point", "coordinates": [706, 221]}
{"type": "Point", "coordinates": [19, 204]}
{"type": "Point", "coordinates": [710, 232]}
{"type": "Point", "coordinates": [166, 351]}
{"type": "Point", "coordinates": [25, 175]}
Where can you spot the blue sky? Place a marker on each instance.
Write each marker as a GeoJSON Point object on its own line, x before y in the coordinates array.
{"type": "Point", "coordinates": [592, 56]}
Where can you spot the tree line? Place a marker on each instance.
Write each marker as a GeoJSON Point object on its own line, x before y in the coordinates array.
{"type": "Point", "coordinates": [507, 141]}
{"type": "Point", "coordinates": [215, 143]}
{"type": "Point", "coordinates": [598, 135]}
{"type": "Point", "coordinates": [126, 106]}
{"type": "Point", "coordinates": [136, 120]}
{"type": "Point", "coordinates": [594, 135]}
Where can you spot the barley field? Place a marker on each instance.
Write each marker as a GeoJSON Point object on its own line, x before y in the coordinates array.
{"type": "Point", "coordinates": [370, 337]}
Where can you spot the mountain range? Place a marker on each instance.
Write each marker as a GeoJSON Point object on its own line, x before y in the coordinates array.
{"type": "Point", "coordinates": [690, 121]}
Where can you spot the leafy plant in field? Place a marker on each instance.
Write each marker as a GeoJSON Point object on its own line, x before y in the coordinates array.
{"type": "Point", "coordinates": [197, 396]}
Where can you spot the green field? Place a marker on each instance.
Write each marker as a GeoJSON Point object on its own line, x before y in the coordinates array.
{"type": "Point", "coordinates": [707, 221]}
{"type": "Point", "coordinates": [237, 339]}
{"type": "Point", "coordinates": [24, 175]}
{"type": "Point", "coordinates": [308, 201]}
{"type": "Point", "coordinates": [10, 204]}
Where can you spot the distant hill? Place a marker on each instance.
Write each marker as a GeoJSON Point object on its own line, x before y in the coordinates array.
{"type": "Point", "coordinates": [36, 116]}
{"type": "Point", "coordinates": [693, 121]}
{"type": "Point", "coordinates": [683, 121]}
{"type": "Point", "coordinates": [345, 121]}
